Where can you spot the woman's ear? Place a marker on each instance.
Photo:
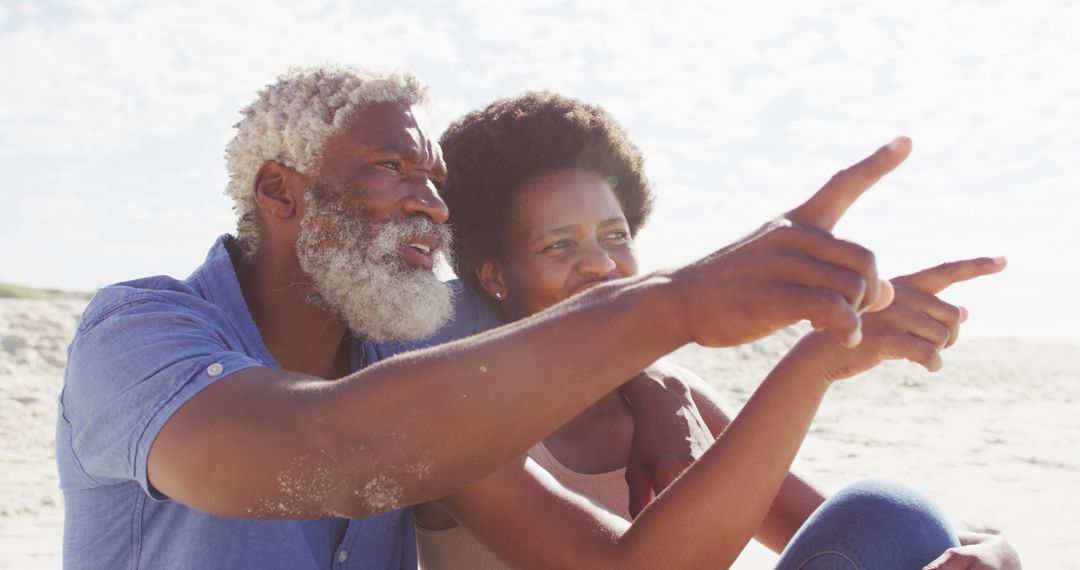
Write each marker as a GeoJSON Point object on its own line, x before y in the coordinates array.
{"type": "Point", "coordinates": [490, 275]}
{"type": "Point", "coordinates": [274, 190]}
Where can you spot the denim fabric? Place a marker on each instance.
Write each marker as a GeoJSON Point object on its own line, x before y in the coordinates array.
{"type": "Point", "coordinates": [870, 525]}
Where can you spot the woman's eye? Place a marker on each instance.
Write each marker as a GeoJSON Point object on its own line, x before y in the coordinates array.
{"type": "Point", "coordinates": [618, 236]}
{"type": "Point", "coordinates": [558, 246]}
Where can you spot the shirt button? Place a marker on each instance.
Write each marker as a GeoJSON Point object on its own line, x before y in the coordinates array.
{"type": "Point", "coordinates": [215, 369]}
{"type": "Point", "coordinates": [342, 556]}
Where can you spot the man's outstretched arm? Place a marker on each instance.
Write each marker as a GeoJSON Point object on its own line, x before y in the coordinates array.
{"type": "Point", "coordinates": [273, 443]}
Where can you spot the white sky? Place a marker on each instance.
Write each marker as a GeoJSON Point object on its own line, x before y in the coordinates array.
{"type": "Point", "coordinates": [114, 117]}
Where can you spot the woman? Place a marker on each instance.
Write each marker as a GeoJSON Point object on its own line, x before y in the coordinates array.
{"type": "Point", "coordinates": [547, 194]}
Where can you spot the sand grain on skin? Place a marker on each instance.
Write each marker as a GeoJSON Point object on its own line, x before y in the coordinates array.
{"type": "Point", "coordinates": [382, 493]}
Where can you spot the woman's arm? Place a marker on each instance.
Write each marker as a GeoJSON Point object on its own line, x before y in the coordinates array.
{"type": "Point", "coordinates": [707, 515]}
{"type": "Point", "coordinates": [705, 518]}
{"type": "Point", "coordinates": [669, 433]}
{"type": "Point", "coordinates": [797, 497]}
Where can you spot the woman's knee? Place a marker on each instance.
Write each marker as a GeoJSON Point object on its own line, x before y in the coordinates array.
{"type": "Point", "coordinates": [880, 505]}
{"type": "Point", "coordinates": [879, 523]}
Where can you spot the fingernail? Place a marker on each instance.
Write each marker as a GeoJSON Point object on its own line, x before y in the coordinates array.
{"type": "Point", "coordinates": [963, 314]}
{"type": "Point", "coordinates": [1000, 260]}
{"type": "Point", "coordinates": [855, 338]}
{"type": "Point", "coordinates": [895, 144]}
{"type": "Point", "coordinates": [936, 363]}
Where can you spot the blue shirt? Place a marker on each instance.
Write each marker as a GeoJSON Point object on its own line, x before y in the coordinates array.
{"type": "Point", "coordinates": [141, 350]}
{"type": "Point", "coordinates": [472, 314]}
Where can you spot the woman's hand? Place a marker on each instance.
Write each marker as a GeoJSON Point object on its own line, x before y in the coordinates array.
{"type": "Point", "coordinates": [669, 432]}
{"type": "Point", "coordinates": [916, 326]}
{"type": "Point", "coordinates": [978, 552]}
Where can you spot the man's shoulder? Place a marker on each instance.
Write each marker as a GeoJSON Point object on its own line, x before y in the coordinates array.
{"type": "Point", "coordinates": [212, 284]}
{"type": "Point", "coordinates": [160, 289]}
{"type": "Point", "coordinates": [155, 317]}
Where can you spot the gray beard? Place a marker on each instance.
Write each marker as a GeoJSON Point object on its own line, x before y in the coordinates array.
{"type": "Point", "coordinates": [361, 279]}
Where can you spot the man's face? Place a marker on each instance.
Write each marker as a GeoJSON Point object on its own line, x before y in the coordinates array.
{"type": "Point", "coordinates": [386, 158]}
{"type": "Point", "coordinates": [372, 226]}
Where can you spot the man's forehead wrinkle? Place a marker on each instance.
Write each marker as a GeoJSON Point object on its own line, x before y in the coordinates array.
{"type": "Point", "coordinates": [433, 152]}
{"type": "Point", "coordinates": [404, 150]}
{"type": "Point", "coordinates": [429, 143]}
{"type": "Point", "coordinates": [414, 148]}
{"type": "Point", "coordinates": [366, 144]}
{"type": "Point", "coordinates": [434, 160]}
{"type": "Point", "coordinates": [421, 145]}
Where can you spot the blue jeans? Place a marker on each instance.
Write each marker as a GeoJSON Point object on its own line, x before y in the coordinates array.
{"type": "Point", "coordinates": [871, 525]}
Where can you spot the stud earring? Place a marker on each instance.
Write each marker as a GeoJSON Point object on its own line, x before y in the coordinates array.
{"type": "Point", "coordinates": [498, 295]}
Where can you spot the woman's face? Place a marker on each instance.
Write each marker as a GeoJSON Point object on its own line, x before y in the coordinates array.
{"type": "Point", "coordinates": [567, 233]}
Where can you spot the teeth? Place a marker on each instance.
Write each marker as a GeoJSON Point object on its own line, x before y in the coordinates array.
{"type": "Point", "coordinates": [421, 248]}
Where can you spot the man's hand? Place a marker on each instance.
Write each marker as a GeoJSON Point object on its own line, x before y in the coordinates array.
{"type": "Point", "coordinates": [916, 326]}
{"type": "Point", "coordinates": [791, 269]}
{"type": "Point", "coordinates": [978, 552]}
{"type": "Point", "coordinates": [669, 433]}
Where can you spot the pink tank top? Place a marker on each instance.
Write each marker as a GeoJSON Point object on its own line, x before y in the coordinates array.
{"type": "Point", "coordinates": [456, 549]}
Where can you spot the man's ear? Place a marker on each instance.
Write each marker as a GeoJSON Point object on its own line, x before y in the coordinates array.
{"type": "Point", "coordinates": [490, 275]}
{"type": "Point", "coordinates": [275, 190]}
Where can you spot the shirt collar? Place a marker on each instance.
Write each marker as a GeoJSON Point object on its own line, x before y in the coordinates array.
{"type": "Point", "coordinates": [216, 279]}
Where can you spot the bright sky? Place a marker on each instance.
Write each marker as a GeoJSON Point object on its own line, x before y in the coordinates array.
{"type": "Point", "coordinates": [115, 113]}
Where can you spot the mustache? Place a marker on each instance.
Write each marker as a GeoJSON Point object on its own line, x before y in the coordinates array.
{"type": "Point", "coordinates": [417, 226]}
{"type": "Point", "coordinates": [401, 231]}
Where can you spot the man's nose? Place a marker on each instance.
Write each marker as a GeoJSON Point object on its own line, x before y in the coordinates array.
{"type": "Point", "coordinates": [424, 199]}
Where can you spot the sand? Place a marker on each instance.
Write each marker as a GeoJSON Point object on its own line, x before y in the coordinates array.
{"type": "Point", "coordinates": [994, 437]}
{"type": "Point", "coordinates": [33, 343]}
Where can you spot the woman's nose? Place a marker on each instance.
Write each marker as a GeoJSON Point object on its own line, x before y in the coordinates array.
{"type": "Point", "coordinates": [596, 262]}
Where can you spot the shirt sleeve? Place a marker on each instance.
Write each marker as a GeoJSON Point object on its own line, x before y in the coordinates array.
{"type": "Point", "coordinates": [130, 368]}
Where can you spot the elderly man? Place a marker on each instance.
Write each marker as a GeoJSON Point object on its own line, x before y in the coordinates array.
{"type": "Point", "coordinates": [240, 417]}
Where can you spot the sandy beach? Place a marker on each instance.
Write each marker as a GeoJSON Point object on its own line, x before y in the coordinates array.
{"type": "Point", "coordinates": [994, 437]}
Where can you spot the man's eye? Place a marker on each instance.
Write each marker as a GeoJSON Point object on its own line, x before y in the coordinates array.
{"type": "Point", "coordinates": [392, 165]}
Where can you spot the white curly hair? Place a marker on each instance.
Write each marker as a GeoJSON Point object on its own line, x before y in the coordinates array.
{"type": "Point", "coordinates": [292, 118]}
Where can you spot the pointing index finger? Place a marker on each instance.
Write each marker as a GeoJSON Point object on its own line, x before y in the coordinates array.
{"type": "Point", "coordinates": [828, 204]}
{"type": "Point", "coordinates": [937, 279]}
